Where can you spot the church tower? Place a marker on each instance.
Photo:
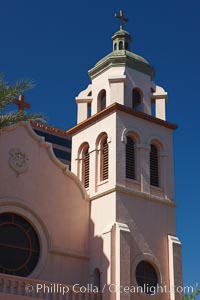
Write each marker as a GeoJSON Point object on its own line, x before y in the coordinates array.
{"type": "Point", "coordinates": [122, 151]}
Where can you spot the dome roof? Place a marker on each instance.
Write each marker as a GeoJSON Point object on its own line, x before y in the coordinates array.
{"type": "Point", "coordinates": [119, 58]}
{"type": "Point", "coordinates": [123, 53]}
{"type": "Point", "coordinates": [121, 32]}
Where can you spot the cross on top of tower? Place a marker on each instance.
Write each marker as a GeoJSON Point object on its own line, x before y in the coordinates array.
{"type": "Point", "coordinates": [122, 19]}
{"type": "Point", "coordinates": [21, 103]}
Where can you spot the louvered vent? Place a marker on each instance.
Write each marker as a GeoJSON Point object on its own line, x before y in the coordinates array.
{"type": "Point", "coordinates": [130, 158]}
{"type": "Point", "coordinates": [154, 176]}
{"type": "Point", "coordinates": [105, 160]}
{"type": "Point", "coordinates": [87, 169]}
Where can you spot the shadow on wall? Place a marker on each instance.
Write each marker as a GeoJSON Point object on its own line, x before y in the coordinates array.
{"type": "Point", "coordinates": [99, 262]}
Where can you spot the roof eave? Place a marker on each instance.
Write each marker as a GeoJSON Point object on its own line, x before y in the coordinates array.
{"type": "Point", "coordinates": [114, 107]}
{"type": "Point", "coordinates": [121, 60]}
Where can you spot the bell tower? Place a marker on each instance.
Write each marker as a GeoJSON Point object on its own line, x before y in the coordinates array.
{"type": "Point", "coordinates": [122, 151]}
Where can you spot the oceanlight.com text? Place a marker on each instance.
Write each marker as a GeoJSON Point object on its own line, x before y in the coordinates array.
{"type": "Point", "coordinates": [112, 288]}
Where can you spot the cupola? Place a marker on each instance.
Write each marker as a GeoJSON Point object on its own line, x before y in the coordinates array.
{"type": "Point", "coordinates": [122, 77]}
{"type": "Point", "coordinates": [121, 40]}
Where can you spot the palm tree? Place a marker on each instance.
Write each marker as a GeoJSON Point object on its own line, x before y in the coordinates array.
{"type": "Point", "coordinates": [7, 95]}
{"type": "Point", "coordinates": [194, 295]}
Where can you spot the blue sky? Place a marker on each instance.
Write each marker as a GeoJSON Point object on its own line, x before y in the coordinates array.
{"type": "Point", "coordinates": [55, 43]}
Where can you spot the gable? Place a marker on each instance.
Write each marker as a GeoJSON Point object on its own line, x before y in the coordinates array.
{"type": "Point", "coordinates": [32, 175]}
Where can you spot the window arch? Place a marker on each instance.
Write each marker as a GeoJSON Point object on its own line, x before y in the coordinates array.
{"type": "Point", "coordinates": [120, 45]}
{"type": "Point", "coordinates": [102, 100]}
{"type": "Point", "coordinates": [136, 100]}
{"type": "Point", "coordinates": [115, 46]}
{"type": "Point", "coordinates": [84, 165]}
{"type": "Point", "coordinates": [154, 166]}
{"type": "Point", "coordinates": [130, 158]}
{"type": "Point", "coordinates": [103, 157]}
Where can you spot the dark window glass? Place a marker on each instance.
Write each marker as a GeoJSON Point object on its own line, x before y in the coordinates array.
{"type": "Point", "coordinates": [19, 245]}
{"type": "Point", "coordinates": [130, 158]}
{"type": "Point", "coordinates": [54, 139]}
{"type": "Point", "coordinates": [154, 176]}
{"type": "Point", "coordinates": [62, 154]}
{"type": "Point", "coordinates": [146, 277]}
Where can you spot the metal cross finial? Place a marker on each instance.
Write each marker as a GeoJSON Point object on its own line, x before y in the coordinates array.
{"type": "Point", "coordinates": [21, 104]}
{"type": "Point", "coordinates": [122, 19]}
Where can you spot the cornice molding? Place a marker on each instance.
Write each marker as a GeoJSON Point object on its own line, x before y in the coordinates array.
{"type": "Point", "coordinates": [119, 107]}
{"type": "Point", "coordinates": [125, 60]}
{"type": "Point", "coordinates": [69, 253]}
{"type": "Point", "coordinates": [141, 195]}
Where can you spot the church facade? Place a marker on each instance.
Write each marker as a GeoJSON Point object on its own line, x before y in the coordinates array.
{"type": "Point", "coordinates": [106, 228]}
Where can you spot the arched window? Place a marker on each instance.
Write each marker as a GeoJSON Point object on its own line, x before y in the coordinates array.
{"type": "Point", "coordinates": [86, 174]}
{"type": "Point", "coordinates": [102, 100]}
{"type": "Point", "coordinates": [84, 165]}
{"type": "Point", "coordinates": [104, 159]}
{"type": "Point", "coordinates": [19, 246]}
{"type": "Point", "coordinates": [146, 277]}
{"type": "Point", "coordinates": [130, 158]}
{"type": "Point", "coordinates": [121, 45]}
{"type": "Point", "coordinates": [89, 110]}
{"type": "Point", "coordinates": [115, 46]}
{"type": "Point", "coordinates": [154, 166]}
{"type": "Point", "coordinates": [136, 100]}
{"type": "Point", "coordinates": [97, 279]}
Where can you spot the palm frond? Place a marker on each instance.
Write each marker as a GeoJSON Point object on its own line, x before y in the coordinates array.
{"type": "Point", "coordinates": [193, 295]}
{"type": "Point", "coordinates": [13, 118]}
{"type": "Point", "coordinates": [8, 93]}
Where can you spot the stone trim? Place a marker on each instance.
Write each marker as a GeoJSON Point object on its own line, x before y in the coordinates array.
{"type": "Point", "coordinates": [144, 196]}
{"type": "Point", "coordinates": [115, 79]}
{"type": "Point", "coordinates": [132, 130]}
{"type": "Point", "coordinates": [84, 100]}
{"type": "Point", "coordinates": [69, 253]}
{"type": "Point", "coordinates": [48, 128]}
{"type": "Point", "coordinates": [171, 241]}
{"type": "Point", "coordinates": [125, 60]}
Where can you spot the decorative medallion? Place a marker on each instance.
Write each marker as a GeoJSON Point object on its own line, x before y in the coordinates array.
{"type": "Point", "coordinates": [18, 160]}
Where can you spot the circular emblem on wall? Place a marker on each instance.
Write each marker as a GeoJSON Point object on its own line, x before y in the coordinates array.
{"type": "Point", "coordinates": [18, 160]}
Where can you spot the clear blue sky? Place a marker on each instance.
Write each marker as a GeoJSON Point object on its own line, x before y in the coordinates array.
{"type": "Point", "coordinates": [55, 43]}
